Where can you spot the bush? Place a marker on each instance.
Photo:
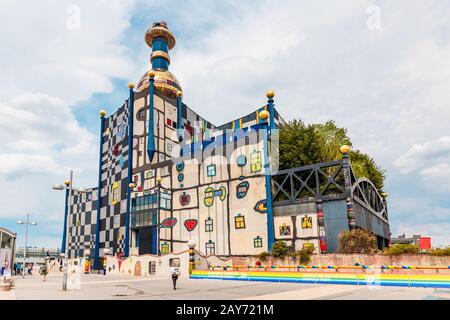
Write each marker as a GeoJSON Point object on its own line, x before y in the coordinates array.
{"type": "Point", "coordinates": [400, 248]}
{"type": "Point", "coordinates": [280, 249]}
{"type": "Point", "coordinates": [440, 252]}
{"type": "Point", "coordinates": [357, 241]}
{"type": "Point", "coordinates": [263, 256]}
{"type": "Point", "coordinates": [304, 255]}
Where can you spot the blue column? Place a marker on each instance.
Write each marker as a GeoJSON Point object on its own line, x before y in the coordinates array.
{"type": "Point", "coordinates": [270, 94]}
{"type": "Point", "coordinates": [270, 225]}
{"type": "Point", "coordinates": [66, 211]}
{"type": "Point", "coordinates": [130, 168]}
{"type": "Point", "coordinates": [99, 192]}
{"type": "Point", "coordinates": [151, 129]}
{"type": "Point", "coordinates": [179, 117]}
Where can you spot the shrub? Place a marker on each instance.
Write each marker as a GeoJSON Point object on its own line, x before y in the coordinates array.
{"type": "Point", "coordinates": [304, 254]}
{"type": "Point", "coordinates": [280, 249]}
{"type": "Point", "coordinates": [263, 256]}
{"type": "Point", "coordinates": [440, 252]}
{"type": "Point", "coordinates": [401, 248]}
{"type": "Point", "coordinates": [357, 241]}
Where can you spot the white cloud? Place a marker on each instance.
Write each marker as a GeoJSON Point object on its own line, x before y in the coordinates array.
{"type": "Point", "coordinates": [41, 135]}
{"type": "Point", "coordinates": [47, 68]}
{"type": "Point", "coordinates": [42, 54]}
{"type": "Point", "coordinates": [421, 155]}
{"type": "Point", "coordinates": [430, 161]}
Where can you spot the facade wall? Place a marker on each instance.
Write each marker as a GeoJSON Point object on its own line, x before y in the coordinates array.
{"type": "Point", "coordinates": [212, 190]}
{"type": "Point", "coordinates": [297, 225]}
{"type": "Point", "coordinates": [82, 222]}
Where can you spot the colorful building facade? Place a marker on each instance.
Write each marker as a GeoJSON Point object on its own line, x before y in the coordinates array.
{"type": "Point", "coordinates": [167, 176]}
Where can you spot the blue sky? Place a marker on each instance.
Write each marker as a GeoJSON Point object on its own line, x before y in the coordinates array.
{"type": "Point", "coordinates": [379, 68]}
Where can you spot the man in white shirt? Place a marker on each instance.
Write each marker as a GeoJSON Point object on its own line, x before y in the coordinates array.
{"type": "Point", "coordinates": [175, 271]}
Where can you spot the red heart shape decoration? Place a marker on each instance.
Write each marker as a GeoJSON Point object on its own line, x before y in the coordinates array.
{"type": "Point", "coordinates": [190, 224]}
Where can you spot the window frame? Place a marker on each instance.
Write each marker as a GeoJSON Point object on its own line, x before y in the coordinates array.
{"type": "Point", "coordinates": [209, 225]}
{"type": "Point", "coordinates": [239, 224]}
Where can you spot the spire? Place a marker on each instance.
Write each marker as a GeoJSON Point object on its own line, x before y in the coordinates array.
{"type": "Point", "coordinates": [161, 40]}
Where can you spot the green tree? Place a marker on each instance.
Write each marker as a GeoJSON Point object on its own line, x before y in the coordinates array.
{"type": "Point", "coordinates": [364, 166]}
{"type": "Point", "coordinates": [302, 145]}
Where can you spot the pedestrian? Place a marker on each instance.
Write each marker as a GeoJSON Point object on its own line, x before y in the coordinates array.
{"type": "Point", "coordinates": [175, 271]}
{"type": "Point", "coordinates": [44, 271]}
{"type": "Point", "coordinates": [3, 269]}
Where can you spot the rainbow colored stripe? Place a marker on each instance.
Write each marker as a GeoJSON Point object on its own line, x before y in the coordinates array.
{"type": "Point", "coordinates": [369, 279]}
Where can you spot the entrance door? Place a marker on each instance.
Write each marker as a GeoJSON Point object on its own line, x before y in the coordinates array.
{"type": "Point", "coordinates": [147, 240]}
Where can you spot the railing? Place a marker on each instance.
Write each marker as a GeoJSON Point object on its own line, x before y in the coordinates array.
{"type": "Point", "coordinates": [329, 267]}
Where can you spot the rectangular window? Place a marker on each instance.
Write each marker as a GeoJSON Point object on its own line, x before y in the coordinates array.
{"type": "Point", "coordinates": [149, 174]}
{"type": "Point", "coordinates": [239, 222]}
{"type": "Point", "coordinates": [211, 170]}
{"type": "Point", "coordinates": [257, 242]}
{"type": "Point", "coordinates": [164, 248]}
{"type": "Point", "coordinates": [210, 248]}
{"type": "Point", "coordinates": [165, 201]}
{"type": "Point", "coordinates": [209, 225]}
{"type": "Point", "coordinates": [255, 161]}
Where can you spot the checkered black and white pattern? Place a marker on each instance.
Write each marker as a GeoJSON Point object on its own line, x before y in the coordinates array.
{"type": "Point", "coordinates": [114, 181]}
{"type": "Point", "coordinates": [82, 218]}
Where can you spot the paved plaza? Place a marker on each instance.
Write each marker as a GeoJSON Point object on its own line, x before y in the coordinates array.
{"type": "Point", "coordinates": [160, 288]}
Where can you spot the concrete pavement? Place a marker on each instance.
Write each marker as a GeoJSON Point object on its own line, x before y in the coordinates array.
{"type": "Point", "coordinates": [98, 287]}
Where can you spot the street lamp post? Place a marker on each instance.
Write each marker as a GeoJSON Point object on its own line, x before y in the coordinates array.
{"type": "Point", "coordinates": [26, 223]}
{"type": "Point", "coordinates": [65, 267]}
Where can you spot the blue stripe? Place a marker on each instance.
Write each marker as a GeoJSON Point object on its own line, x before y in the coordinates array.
{"type": "Point", "coordinates": [151, 129]}
{"type": "Point", "coordinates": [130, 171]}
{"type": "Point", "coordinates": [391, 283]}
{"type": "Point", "coordinates": [66, 211]}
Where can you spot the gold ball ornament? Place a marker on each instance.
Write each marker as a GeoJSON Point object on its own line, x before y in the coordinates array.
{"type": "Point", "coordinates": [344, 149]}
{"type": "Point", "coordinates": [264, 115]}
{"type": "Point", "coordinates": [67, 183]}
{"type": "Point", "coordinates": [270, 94]}
{"type": "Point", "coordinates": [384, 194]}
{"type": "Point", "coordinates": [131, 85]}
{"type": "Point", "coordinates": [158, 179]}
{"type": "Point", "coordinates": [102, 113]}
{"type": "Point", "coordinates": [132, 185]}
{"type": "Point", "coordinates": [179, 94]}
{"type": "Point", "coordinates": [151, 74]}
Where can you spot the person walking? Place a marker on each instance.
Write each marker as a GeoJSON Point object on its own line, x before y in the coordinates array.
{"type": "Point", "coordinates": [44, 270]}
{"type": "Point", "coordinates": [175, 271]}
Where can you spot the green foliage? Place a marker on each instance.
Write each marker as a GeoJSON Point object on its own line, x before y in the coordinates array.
{"type": "Point", "coordinates": [440, 252]}
{"type": "Point", "coordinates": [400, 248]}
{"type": "Point", "coordinates": [304, 255]}
{"type": "Point", "coordinates": [357, 241]}
{"type": "Point", "coordinates": [280, 249]}
{"type": "Point", "coordinates": [263, 256]}
{"type": "Point", "coordinates": [302, 144]}
{"type": "Point", "coordinates": [364, 166]}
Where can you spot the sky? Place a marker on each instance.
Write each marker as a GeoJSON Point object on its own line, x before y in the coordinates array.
{"type": "Point", "coordinates": [381, 69]}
